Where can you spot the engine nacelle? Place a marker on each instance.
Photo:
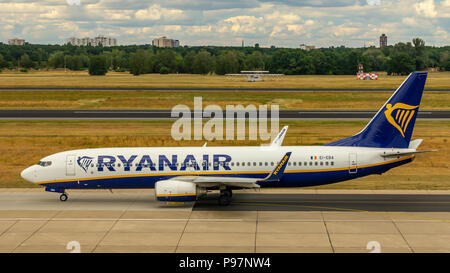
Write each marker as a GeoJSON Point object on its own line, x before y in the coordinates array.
{"type": "Point", "coordinates": [175, 191]}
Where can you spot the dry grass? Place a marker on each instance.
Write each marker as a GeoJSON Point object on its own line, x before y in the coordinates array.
{"type": "Point", "coordinates": [59, 78]}
{"type": "Point", "coordinates": [23, 143]}
{"type": "Point", "coordinates": [168, 99]}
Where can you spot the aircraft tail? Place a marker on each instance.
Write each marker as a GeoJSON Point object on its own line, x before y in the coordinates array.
{"type": "Point", "coordinates": [393, 125]}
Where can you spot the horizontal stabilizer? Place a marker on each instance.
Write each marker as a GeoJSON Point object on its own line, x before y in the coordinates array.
{"type": "Point", "coordinates": [414, 144]}
{"type": "Point", "coordinates": [406, 153]}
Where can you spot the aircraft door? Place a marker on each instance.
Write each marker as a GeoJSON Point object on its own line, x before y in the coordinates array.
{"type": "Point", "coordinates": [353, 163]}
{"type": "Point", "coordinates": [70, 165]}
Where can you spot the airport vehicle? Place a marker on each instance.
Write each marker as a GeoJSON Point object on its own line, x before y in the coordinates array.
{"type": "Point", "coordinates": [181, 174]}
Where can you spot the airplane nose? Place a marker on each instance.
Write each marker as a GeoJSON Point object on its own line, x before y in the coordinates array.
{"type": "Point", "coordinates": [29, 174]}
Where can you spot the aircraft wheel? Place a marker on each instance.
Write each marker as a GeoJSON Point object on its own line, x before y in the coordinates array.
{"type": "Point", "coordinates": [225, 198]}
{"type": "Point", "coordinates": [63, 197]}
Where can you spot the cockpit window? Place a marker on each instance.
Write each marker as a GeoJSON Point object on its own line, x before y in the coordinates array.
{"type": "Point", "coordinates": [44, 163]}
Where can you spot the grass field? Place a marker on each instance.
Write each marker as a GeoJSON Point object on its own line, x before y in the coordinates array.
{"type": "Point", "coordinates": [59, 78]}
{"type": "Point", "coordinates": [168, 99]}
{"type": "Point", "coordinates": [23, 143]}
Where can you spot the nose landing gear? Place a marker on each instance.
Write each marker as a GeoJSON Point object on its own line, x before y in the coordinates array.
{"type": "Point", "coordinates": [63, 197]}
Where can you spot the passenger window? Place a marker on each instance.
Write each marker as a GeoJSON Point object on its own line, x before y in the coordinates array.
{"type": "Point", "coordinates": [237, 163]}
{"type": "Point", "coordinates": [254, 163]}
{"type": "Point", "coordinates": [332, 163]}
{"type": "Point", "coordinates": [260, 163]}
{"type": "Point", "coordinates": [310, 163]}
{"type": "Point", "coordinates": [315, 163]}
{"type": "Point", "coordinates": [326, 163]}
{"type": "Point", "coordinates": [321, 163]}
{"type": "Point", "coordinates": [271, 164]}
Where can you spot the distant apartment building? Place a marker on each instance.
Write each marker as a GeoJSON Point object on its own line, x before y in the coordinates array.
{"type": "Point", "coordinates": [165, 42]}
{"type": "Point", "coordinates": [99, 40]}
{"type": "Point", "coordinates": [383, 40]}
{"type": "Point", "coordinates": [16, 41]}
{"type": "Point", "coordinates": [307, 47]}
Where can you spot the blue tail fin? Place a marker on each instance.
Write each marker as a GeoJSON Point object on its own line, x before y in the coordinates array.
{"type": "Point", "coordinates": [393, 125]}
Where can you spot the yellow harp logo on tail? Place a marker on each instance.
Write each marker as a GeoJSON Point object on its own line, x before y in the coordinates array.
{"type": "Point", "coordinates": [400, 118]}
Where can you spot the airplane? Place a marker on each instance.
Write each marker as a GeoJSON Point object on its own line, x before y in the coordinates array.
{"type": "Point", "coordinates": [184, 174]}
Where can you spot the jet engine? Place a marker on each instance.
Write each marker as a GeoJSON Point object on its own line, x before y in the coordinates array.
{"type": "Point", "coordinates": [177, 191]}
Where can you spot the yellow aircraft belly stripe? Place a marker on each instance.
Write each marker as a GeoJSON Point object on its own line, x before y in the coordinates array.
{"type": "Point", "coordinates": [239, 172]}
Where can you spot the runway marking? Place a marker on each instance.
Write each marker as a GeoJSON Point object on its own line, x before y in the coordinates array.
{"type": "Point", "coordinates": [115, 219]}
{"type": "Point", "coordinates": [217, 220]}
{"type": "Point", "coordinates": [360, 202]}
{"type": "Point", "coordinates": [344, 209]}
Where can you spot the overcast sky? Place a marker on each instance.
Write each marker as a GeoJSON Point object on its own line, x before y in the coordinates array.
{"type": "Point", "coordinates": [286, 23]}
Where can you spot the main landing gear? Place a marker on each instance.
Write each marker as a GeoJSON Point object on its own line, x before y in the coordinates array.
{"type": "Point", "coordinates": [225, 197]}
{"type": "Point", "coordinates": [63, 197]}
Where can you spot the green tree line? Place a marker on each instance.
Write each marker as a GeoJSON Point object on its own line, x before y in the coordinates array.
{"type": "Point", "coordinates": [401, 58]}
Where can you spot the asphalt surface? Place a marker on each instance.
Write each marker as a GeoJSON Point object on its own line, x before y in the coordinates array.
{"type": "Point", "coordinates": [166, 114]}
{"type": "Point", "coordinates": [329, 202]}
{"type": "Point", "coordinates": [273, 220]}
{"type": "Point", "coordinates": [209, 89]}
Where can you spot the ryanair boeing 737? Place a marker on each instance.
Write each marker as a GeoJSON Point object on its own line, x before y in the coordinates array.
{"type": "Point", "coordinates": [181, 174]}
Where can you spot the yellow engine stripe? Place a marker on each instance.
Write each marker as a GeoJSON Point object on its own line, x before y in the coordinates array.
{"type": "Point", "coordinates": [173, 195]}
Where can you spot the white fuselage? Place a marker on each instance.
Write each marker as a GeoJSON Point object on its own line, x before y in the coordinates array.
{"type": "Point", "coordinates": [142, 167]}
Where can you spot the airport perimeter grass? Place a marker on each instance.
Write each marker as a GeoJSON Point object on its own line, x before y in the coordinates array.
{"type": "Point", "coordinates": [23, 143]}
{"type": "Point", "coordinates": [168, 99]}
{"type": "Point", "coordinates": [59, 78]}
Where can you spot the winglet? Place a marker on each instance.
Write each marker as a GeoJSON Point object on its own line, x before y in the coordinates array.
{"type": "Point", "coordinates": [278, 172]}
{"type": "Point", "coordinates": [280, 137]}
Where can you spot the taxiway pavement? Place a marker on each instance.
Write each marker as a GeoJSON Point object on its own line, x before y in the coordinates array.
{"type": "Point", "coordinates": [270, 221]}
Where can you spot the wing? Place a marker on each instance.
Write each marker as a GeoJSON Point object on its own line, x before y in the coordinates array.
{"type": "Point", "coordinates": [239, 182]}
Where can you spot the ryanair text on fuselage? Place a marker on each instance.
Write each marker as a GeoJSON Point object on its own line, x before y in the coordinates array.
{"type": "Point", "coordinates": [158, 162]}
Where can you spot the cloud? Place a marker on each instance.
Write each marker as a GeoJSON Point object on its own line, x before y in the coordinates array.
{"type": "Point", "coordinates": [213, 22]}
{"type": "Point", "coordinates": [156, 12]}
{"type": "Point", "coordinates": [426, 8]}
